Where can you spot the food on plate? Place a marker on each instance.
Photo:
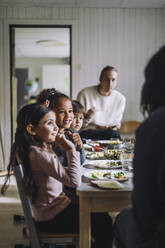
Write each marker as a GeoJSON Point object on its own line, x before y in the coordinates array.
{"type": "Point", "coordinates": [113, 154]}
{"type": "Point", "coordinates": [98, 148]}
{"type": "Point", "coordinates": [93, 147]}
{"type": "Point", "coordinates": [106, 175]}
{"type": "Point", "coordinates": [129, 148]}
{"type": "Point", "coordinates": [110, 184]}
{"type": "Point", "coordinates": [108, 154]}
{"type": "Point", "coordinates": [128, 156]}
{"type": "Point", "coordinates": [95, 174]}
{"type": "Point", "coordinates": [87, 147]}
{"type": "Point", "coordinates": [115, 163]}
{"type": "Point", "coordinates": [95, 155]}
{"type": "Point", "coordinates": [110, 142]}
{"type": "Point", "coordinates": [120, 176]}
{"type": "Point", "coordinates": [106, 164]}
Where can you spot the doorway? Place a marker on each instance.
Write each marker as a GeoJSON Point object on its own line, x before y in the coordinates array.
{"type": "Point", "coordinates": [40, 58]}
{"type": "Point", "coordinates": [21, 75]}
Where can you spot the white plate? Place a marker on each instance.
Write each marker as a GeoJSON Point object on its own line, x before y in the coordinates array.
{"type": "Point", "coordinates": [87, 147]}
{"type": "Point", "coordinates": [95, 155]}
{"type": "Point", "coordinates": [105, 164]}
{"type": "Point", "coordinates": [111, 184]}
{"type": "Point", "coordinates": [109, 142]}
{"type": "Point", "coordinates": [96, 174]}
{"type": "Point", "coordinates": [101, 175]}
{"type": "Point", "coordinates": [112, 176]}
{"type": "Point", "coordinates": [113, 154]}
{"type": "Point", "coordinates": [128, 156]}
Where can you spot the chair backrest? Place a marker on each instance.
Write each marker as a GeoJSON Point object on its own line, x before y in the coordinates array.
{"type": "Point", "coordinates": [37, 239]}
{"type": "Point", "coordinates": [26, 205]}
{"type": "Point", "coordinates": [129, 127]}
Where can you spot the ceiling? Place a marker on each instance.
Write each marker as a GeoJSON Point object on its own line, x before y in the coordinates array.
{"type": "Point", "coordinates": [85, 3]}
{"type": "Point", "coordinates": [42, 42]}
{"type": "Point", "coordinates": [26, 38]}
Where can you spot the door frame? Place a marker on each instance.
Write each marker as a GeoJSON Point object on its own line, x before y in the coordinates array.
{"type": "Point", "coordinates": [5, 94]}
{"type": "Point", "coordinates": [12, 56]}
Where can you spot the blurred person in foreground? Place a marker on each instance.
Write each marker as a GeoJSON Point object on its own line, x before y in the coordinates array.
{"type": "Point", "coordinates": [143, 224]}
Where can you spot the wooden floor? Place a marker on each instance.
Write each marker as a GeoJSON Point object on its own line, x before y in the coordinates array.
{"type": "Point", "coordinates": [10, 233]}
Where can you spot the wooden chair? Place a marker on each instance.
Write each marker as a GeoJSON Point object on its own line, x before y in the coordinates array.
{"type": "Point", "coordinates": [38, 239]}
{"type": "Point", "coordinates": [129, 127]}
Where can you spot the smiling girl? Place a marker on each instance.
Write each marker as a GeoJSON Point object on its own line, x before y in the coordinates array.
{"type": "Point", "coordinates": [44, 174]}
{"type": "Point", "coordinates": [63, 108]}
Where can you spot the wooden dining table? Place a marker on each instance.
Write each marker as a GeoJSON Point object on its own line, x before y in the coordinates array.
{"type": "Point", "coordinates": [94, 199]}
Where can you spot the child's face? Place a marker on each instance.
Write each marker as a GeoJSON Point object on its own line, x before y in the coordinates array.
{"type": "Point", "coordinates": [47, 128]}
{"type": "Point", "coordinates": [64, 113]}
{"type": "Point", "coordinates": [77, 121]}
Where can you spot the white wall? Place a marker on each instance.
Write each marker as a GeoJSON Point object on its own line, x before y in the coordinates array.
{"type": "Point", "coordinates": [124, 38]}
{"type": "Point", "coordinates": [56, 76]}
{"type": "Point", "coordinates": [35, 66]}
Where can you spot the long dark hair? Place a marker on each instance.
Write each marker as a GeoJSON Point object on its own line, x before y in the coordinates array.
{"type": "Point", "coordinates": [29, 114]}
{"type": "Point", "coordinates": [53, 96]}
{"type": "Point", "coordinates": [153, 90]}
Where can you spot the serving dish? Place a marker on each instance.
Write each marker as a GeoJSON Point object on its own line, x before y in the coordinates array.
{"type": "Point", "coordinates": [95, 155]}
{"type": "Point", "coordinates": [112, 143]}
{"type": "Point", "coordinates": [105, 164]}
{"type": "Point", "coordinates": [96, 174]}
{"type": "Point", "coordinates": [119, 175]}
{"type": "Point", "coordinates": [113, 154]}
{"type": "Point", "coordinates": [107, 154]}
{"type": "Point", "coordinates": [110, 184]}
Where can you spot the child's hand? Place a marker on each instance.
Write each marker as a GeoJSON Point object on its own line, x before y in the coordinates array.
{"type": "Point", "coordinates": [64, 143]}
{"type": "Point", "coordinates": [61, 130]}
{"type": "Point", "coordinates": [76, 139]}
{"type": "Point", "coordinates": [90, 113]}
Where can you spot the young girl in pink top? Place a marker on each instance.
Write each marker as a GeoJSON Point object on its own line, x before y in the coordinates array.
{"type": "Point", "coordinates": [45, 176]}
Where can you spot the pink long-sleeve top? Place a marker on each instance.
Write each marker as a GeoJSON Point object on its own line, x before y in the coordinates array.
{"type": "Point", "coordinates": [50, 176]}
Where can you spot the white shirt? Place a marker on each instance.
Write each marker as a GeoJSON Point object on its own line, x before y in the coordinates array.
{"type": "Point", "coordinates": [110, 108]}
